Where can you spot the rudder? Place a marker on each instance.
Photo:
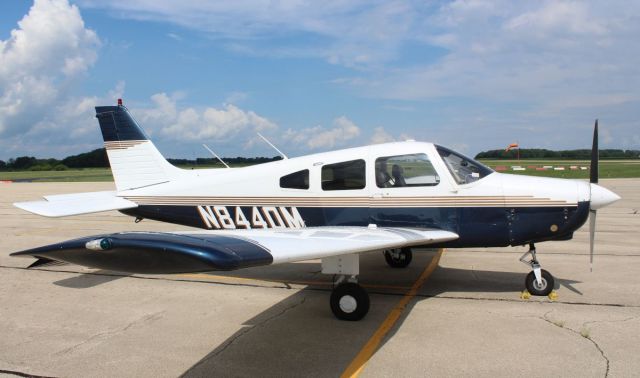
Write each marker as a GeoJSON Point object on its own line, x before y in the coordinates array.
{"type": "Point", "coordinates": [135, 161]}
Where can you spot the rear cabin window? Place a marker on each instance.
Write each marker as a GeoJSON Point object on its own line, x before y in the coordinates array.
{"type": "Point", "coordinates": [295, 180]}
{"type": "Point", "coordinates": [348, 175]}
{"type": "Point", "coordinates": [405, 171]}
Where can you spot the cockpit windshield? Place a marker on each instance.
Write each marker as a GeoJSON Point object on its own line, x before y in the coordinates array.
{"type": "Point", "coordinates": [463, 169]}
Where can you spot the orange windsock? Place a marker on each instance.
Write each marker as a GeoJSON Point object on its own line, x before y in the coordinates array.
{"type": "Point", "coordinates": [511, 147]}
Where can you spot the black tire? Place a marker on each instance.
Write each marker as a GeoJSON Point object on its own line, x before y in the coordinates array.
{"type": "Point", "coordinates": [401, 261]}
{"type": "Point", "coordinates": [349, 301]}
{"type": "Point", "coordinates": [543, 289]}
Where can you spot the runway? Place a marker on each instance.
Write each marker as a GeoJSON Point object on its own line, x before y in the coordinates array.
{"type": "Point", "coordinates": [453, 312]}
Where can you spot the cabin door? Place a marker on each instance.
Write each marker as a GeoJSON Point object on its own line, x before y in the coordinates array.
{"type": "Point", "coordinates": [406, 192]}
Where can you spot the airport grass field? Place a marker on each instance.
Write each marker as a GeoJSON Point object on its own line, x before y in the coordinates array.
{"type": "Point", "coordinates": [608, 169]}
{"type": "Point", "coordinates": [70, 175]}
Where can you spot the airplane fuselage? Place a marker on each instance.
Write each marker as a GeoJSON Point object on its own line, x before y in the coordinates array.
{"type": "Point", "coordinates": [485, 209]}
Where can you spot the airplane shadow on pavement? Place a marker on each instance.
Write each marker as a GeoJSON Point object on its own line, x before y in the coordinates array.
{"type": "Point", "coordinates": [299, 335]}
{"type": "Point", "coordinates": [87, 280]}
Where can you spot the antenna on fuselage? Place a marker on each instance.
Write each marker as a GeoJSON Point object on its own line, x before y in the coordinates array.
{"type": "Point", "coordinates": [214, 154]}
{"type": "Point", "coordinates": [274, 147]}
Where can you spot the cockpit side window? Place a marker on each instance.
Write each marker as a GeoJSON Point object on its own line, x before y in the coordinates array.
{"type": "Point", "coordinates": [463, 169]}
{"type": "Point", "coordinates": [295, 180]}
{"type": "Point", "coordinates": [348, 175]}
{"type": "Point", "coordinates": [405, 171]}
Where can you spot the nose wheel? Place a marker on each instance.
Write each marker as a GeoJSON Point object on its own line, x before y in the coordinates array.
{"type": "Point", "coordinates": [541, 287]}
{"type": "Point", "coordinates": [538, 282]}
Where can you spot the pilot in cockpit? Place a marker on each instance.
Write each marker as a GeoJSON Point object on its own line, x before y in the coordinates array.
{"type": "Point", "coordinates": [398, 176]}
{"type": "Point", "coordinates": [383, 180]}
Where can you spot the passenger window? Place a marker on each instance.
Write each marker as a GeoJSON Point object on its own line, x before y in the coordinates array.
{"type": "Point", "coordinates": [295, 180]}
{"type": "Point", "coordinates": [404, 171]}
{"type": "Point", "coordinates": [348, 175]}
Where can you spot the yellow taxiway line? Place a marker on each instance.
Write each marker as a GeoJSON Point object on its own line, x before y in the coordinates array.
{"type": "Point", "coordinates": [358, 363]}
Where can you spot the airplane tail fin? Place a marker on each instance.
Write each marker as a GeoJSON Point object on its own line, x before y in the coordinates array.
{"type": "Point", "coordinates": [135, 161]}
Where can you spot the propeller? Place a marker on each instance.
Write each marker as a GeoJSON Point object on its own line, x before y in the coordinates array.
{"type": "Point", "coordinates": [594, 156]}
{"type": "Point", "coordinates": [593, 179]}
{"type": "Point", "coordinates": [599, 196]}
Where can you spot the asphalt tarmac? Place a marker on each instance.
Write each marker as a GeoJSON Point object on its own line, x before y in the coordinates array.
{"type": "Point", "coordinates": [451, 313]}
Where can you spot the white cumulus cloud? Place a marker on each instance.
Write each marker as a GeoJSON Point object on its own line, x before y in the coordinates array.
{"type": "Point", "coordinates": [191, 124]}
{"type": "Point", "coordinates": [342, 132]}
{"type": "Point", "coordinates": [39, 62]}
{"type": "Point", "coordinates": [380, 135]}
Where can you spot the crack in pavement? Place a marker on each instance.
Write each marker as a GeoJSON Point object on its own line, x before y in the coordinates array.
{"type": "Point", "coordinates": [581, 335]}
{"type": "Point", "coordinates": [103, 335]}
{"type": "Point", "coordinates": [438, 296]}
{"type": "Point", "coordinates": [609, 321]}
{"type": "Point", "coordinates": [245, 330]}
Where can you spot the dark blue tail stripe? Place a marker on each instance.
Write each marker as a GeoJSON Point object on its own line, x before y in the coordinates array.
{"type": "Point", "coordinates": [116, 124]}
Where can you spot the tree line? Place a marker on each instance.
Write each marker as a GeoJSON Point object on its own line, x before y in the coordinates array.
{"type": "Point", "coordinates": [538, 153]}
{"type": "Point", "coordinates": [98, 159]}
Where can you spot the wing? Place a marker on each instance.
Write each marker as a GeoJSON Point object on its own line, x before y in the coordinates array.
{"type": "Point", "coordinates": [202, 251]}
{"type": "Point", "coordinates": [78, 203]}
{"type": "Point", "coordinates": [289, 245]}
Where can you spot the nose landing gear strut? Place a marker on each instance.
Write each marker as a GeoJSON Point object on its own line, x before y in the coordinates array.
{"type": "Point", "coordinates": [538, 281]}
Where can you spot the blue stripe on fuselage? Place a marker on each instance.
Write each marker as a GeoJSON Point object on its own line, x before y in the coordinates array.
{"type": "Point", "coordinates": [476, 226]}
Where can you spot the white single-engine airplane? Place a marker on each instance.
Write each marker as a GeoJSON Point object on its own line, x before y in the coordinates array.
{"type": "Point", "coordinates": [330, 206]}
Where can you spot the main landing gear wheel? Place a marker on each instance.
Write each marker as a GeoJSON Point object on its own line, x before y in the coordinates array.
{"type": "Point", "coordinates": [542, 288]}
{"type": "Point", "coordinates": [349, 301]}
{"type": "Point", "coordinates": [398, 257]}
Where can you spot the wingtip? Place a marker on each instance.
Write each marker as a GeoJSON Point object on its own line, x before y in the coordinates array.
{"type": "Point", "coordinates": [35, 207]}
{"type": "Point", "coordinates": [42, 262]}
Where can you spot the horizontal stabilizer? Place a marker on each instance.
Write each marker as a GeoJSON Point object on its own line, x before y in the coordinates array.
{"type": "Point", "coordinates": [74, 204]}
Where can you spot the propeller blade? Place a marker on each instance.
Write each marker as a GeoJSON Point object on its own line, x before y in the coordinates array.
{"type": "Point", "coordinates": [594, 156]}
{"type": "Point", "coordinates": [594, 180]}
{"type": "Point", "coordinates": [592, 233]}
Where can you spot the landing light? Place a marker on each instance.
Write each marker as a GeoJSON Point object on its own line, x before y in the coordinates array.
{"type": "Point", "coordinates": [98, 244]}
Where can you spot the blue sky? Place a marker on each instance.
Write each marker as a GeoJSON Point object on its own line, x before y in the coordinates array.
{"type": "Point", "coordinates": [313, 76]}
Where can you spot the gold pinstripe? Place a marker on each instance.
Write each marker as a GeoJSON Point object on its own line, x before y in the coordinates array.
{"type": "Point", "coordinates": [467, 201]}
{"type": "Point", "coordinates": [122, 145]}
